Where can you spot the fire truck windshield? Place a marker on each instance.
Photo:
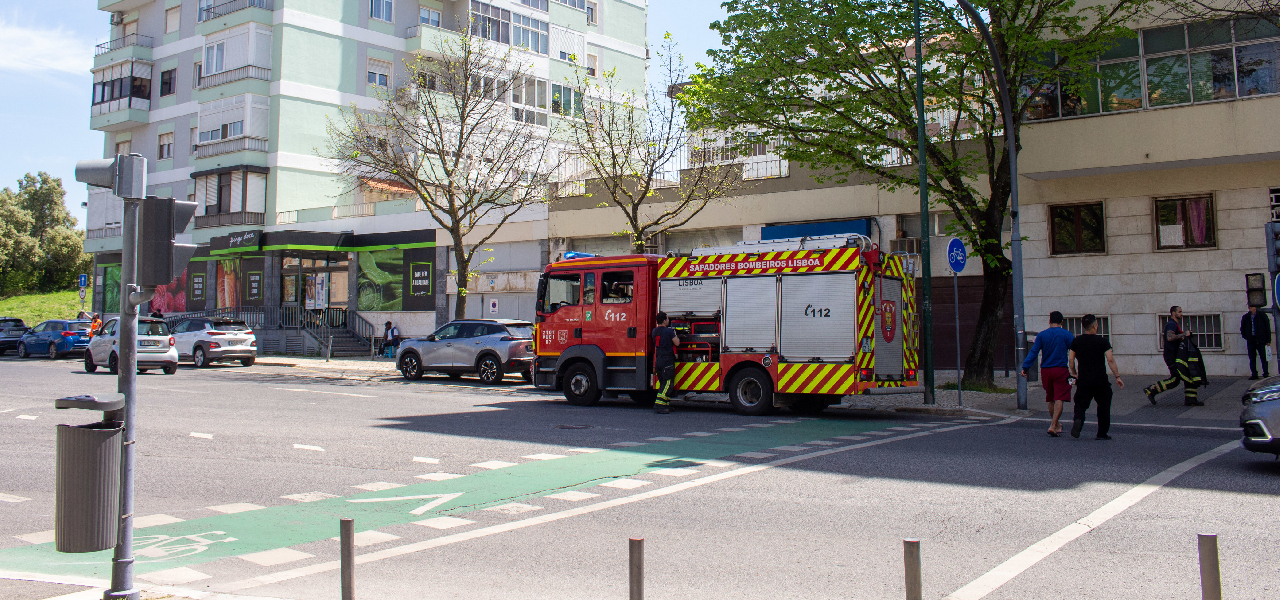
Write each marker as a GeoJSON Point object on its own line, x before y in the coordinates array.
{"type": "Point", "coordinates": [559, 289]}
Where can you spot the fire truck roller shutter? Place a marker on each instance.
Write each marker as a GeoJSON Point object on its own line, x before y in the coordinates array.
{"type": "Point", "coordinates": [819, 316]}
{"type": "Point", "coordinates": [697, 295]}
{"type": "Point", "coordinates": [889, 330]}
{"type": "Point", "coordinates": [750, 314]}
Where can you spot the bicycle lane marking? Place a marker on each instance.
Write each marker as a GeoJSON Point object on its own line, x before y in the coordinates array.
{"type": "Point", "coordinates": [284, 526]}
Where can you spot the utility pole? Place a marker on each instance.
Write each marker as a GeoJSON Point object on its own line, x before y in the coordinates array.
{"type": "Point", "coordinates": [926, 273]}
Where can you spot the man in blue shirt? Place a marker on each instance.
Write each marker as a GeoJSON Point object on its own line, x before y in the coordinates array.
{"type": "Point", "coordinates": [1053, 343]}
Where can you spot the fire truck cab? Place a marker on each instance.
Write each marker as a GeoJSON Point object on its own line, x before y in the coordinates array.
{"type": "Point", "coordinates": [797, 323]}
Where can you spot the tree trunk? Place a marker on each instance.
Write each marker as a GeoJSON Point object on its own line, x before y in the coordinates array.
{"type": "Point", "coordinates": [979, 365]}
{"type": "Point", "coordinates": [461, 277]}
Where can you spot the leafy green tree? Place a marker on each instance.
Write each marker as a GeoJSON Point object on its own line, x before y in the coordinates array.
{"type": "Point", "coordinates": [835, 83]}
{"type": "Point", "coordinates": [40, 249]}
{"type": "Point", "coordinates": [18, 250]}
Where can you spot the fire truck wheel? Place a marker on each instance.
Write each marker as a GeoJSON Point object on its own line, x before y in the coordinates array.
{"type": "Point", "coordinates": [751, 392]}
{"type": "Point", "coordinates": [809, 405]}
{"type": "Point", "coordinates": [644, 398]}
{"type": "Point", "coordinates": [580, 386]}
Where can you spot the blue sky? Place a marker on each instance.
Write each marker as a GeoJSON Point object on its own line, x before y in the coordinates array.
{"type": "Point", "coordinates": [46, 50]}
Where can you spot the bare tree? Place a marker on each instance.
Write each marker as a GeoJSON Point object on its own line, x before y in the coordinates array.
{"type": "Point", "coordinates": [1261, 18]}
{"type": "Point", "coordinates": [449, 134]}
{"type": "Point", "coordinates": [633, 142]}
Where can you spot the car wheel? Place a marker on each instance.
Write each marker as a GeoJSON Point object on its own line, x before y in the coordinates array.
{"type": "Point", "coordinates": [454, 376]}
{"type": "Point", "coordinates": [411, 366]}
{"type": "Point", "coordinates": [645, 397]}
{"type": "Point", "coordinates": [141, 371]}
{"type": "Point", "coordinates": [22, 350]}
{"type": "Point", "coordinates": [751, 392]}
{"type": "Point", "coordinates": [580, 386]}
{"type": "Point", "coordinates": [198, 357]}
{"type": "Point", "coordinates": [248, 362]}
{"type": "Point", "coordinates": [53, 352]}
{"type": "Point", "coordinates": [490, 371]}
{"type": "Point", "coordinates": [170, 369]}
{"type": "Point", "coordinates": [113, 364]}
{"type": "Point", "coordinates": [89, 365]}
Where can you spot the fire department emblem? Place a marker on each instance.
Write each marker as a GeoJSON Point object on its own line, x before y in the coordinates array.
{"type": "Point", "coordinates": [888, 319]}
{"type": "Point", "coordinates": [563, 335]}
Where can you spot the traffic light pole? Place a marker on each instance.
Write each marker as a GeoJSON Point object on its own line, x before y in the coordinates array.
{"type": "Point", "coordinates": [926, 272]}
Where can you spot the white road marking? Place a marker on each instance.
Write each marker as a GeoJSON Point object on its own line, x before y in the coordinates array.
{"type": "Point", "coordinates": [8, 409]}
{"type": "Point", "coordinates": [719, 464]}
{"type": "Point", "coordinates": [93, 594]}
{"type": "Point", "coordinates": [306, 447]}
{"type": "Point", "coordinates": [786, 421]}
{"type": "Point", "coordinates": [494, 464]}
{"type": "Point", "coordinates": [699, 433]}
{"type": "Point", "coordinates": [626, 484]}
{"type": "Point", "coordinates": [586, 450]}
{"type": "Point", "coordinates": [543, 456]}
{"type": "Point", "coordinates": [309, 496]}
{"type": "Point", "coordinates": [851, 437]}
{"type": "Point", "coordinates": [878, 433]}
{"type": "Point", "coordinates": [442, 523]}
{"type": "Point", "coordinates": [731, 429]}
{"type": "Point", "coordinates": [378, 486]}
{"type": "Point", "coordinates": [231, 509]}
{"type": "Point", "coordinates": [564, 514]}
{"type": "Point", "coordinates": [439, 476]}
{"type": "Point", "coordinates": [423, 459]}
{"type": "Point", "coordinates": [756, 455]}
{"type": "Point", "coordinates": [28, 417]}
{"type": "Point", "coordinates": [439, 499]}
{"type": "Point", "coordinates": [628, 444]}
{"type": "Point", "coordinates": [572, 496]}
{"type": "Point", "coordinates": [823, 443]}
{"type": "Point", "coordinates": [279, 556]}
{"type": "Point", "coordinates": [903, 428]}
{"type": "Point", "coordinates": [39, 537]}
{"type": "Point", "coordinates": [513, 508]}
{"type": "Point", "coordinates": [791, 448]}
{"type": "Point", "coordinates": [12, 498]}
{"type": "Point", "coordinates": [371, 537]}
{"type": "Point", "coordinates": [176, 576]}
{"type": "Point", "coordinates": [673, 472]}
{"type": "Point", "coordinates": [321, 392]}
{"type": "Point", "coordinates": [665, 439]}
{"type": "Point", "coordinates": [1006, 571]}
{"type": "Point", "coordinates": [154, 520]}
{"type": "Point", "coordinates": [759, 424]}
{"type": "Point", "coordinates": [205, 436]}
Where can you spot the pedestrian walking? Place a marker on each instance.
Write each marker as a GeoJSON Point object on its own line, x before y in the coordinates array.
{"type": "Point", "coordinates": [1173, 336]}
{"type": "Point", "coordinates": [1088, 359]}
{"type": "Point", "coordinates": [1053, 344]}
{"type": "Point", "coordinates": [665, 341]}
{"type": "Point", "coordinates": [390, 338]}
{"type": "Point", "coordinates": [1256, 331]}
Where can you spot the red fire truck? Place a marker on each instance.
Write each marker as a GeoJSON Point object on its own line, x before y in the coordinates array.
{"type": "Point", "coordinates": [772, 326]}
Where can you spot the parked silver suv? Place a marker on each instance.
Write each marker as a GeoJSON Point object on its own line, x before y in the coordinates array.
{"type": "Point", "coordinates": [491, 348]}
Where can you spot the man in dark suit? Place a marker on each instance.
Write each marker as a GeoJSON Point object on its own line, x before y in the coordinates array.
{"type": "Point", "coordinates": [1256, 331]}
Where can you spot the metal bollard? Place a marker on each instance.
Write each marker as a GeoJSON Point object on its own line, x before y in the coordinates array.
{"type": "Point", "coordinates": [911, 560]}
{"type": "Point", "coordinates": [1210, 574]}
{"type": "Point", "coordinates": [347, 541]}
{"type": "Point", "coordinates": [328, 350]}
{"type": "Point", "coordinates": [637, 568]}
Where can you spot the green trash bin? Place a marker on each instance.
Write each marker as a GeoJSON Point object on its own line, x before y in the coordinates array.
{"type": "Point", "coordinates": [87, 493]}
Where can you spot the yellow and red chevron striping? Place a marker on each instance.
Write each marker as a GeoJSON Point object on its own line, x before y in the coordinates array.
{"type": "Point", "coordinates": [790, 261]}
{"type": "Point", "coordinates": [698, 377]}
{"type": "Point", "coordinates": [817, 378]}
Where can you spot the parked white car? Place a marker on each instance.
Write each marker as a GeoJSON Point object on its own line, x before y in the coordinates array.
{"type": "Point", "coordinates": [205, 341]}
{"type": "Point", "coordinates": [156, 348]}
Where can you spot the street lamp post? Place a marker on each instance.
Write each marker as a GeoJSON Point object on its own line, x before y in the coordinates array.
{"type": "Point", "coordinates": [926, 273]}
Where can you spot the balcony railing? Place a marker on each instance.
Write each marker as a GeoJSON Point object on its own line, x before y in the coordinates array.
{"type": "Point", "coordinates": [227, 8]}
{"type": "Point", "coordinates": [245, 72]}
{"type": "Point", "coordinates": [765, 169]}
{"type": "Point", "coordinates": [132, 39]}
{"type": "Point", "coordinates": [286, 217]}
{"type": "Point", "coordinates": [228, 146]}
{"type": "Point", "coordinates": [234, 218]}
{"type": "Point", "coordinates": [102, 232]}
{"type": "Point", "coordinates": [120, 104]}
{"type": "Point", "coordinates": [348, 211]}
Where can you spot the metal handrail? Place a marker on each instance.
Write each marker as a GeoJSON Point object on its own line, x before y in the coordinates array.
{"type": "Point", "coordinates": [232, 145]}
{"type": "Point", "coordinates": [234, 218]}
{"type": "Point", "coordinates": [102, 232]}
{"type": "Point", "coordinates": [132, 39]}
{"type": "Point", "coordinates": [236, 74]}
{"type": "Point", "coordinates": [361, 327]}
{"type": "Point", "coordinates": [227, 8]}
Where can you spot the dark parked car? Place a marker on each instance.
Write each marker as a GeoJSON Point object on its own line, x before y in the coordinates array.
{"type": "Point", "coordinates": [11, 331]}
{"type": "Point", "coordinates": [55, 338]}
{"type": "Point", "coordinates": [1261, 417]}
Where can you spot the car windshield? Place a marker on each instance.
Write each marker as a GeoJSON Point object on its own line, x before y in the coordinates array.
{"type": "Point", "coordinates": [10, 323]}
{"type": "Point", "coordinates": [231, 326]}
{"type": "Point", "coordinates": [521, 331]}
{"type": "Point", "coordinates": [153, 328]}
{"type": "Point", "coordinates": [78, 326]}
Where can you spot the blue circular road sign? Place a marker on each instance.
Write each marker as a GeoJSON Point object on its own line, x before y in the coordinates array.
{"type": "Point", "coordinates": [956, 255]}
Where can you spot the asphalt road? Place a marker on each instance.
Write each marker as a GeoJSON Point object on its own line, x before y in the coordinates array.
{"type": "Point", "coordinates": [465, 491]}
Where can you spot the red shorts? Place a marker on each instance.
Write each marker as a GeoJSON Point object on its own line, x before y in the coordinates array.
{"type": "Point", "coordinates": [1054, 382]}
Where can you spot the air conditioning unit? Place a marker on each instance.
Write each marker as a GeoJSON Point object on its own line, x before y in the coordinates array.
{"type": "Point", "coordinates": [117, 18]}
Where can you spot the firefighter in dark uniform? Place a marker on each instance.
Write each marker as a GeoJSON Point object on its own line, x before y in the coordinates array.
{"type": "Point", "coordinates": [665, 341]}
{"type": "Point", "coordinates": [1173, 337]}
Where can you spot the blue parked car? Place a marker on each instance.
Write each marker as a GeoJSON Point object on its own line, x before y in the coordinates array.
{"type": "Point", "coordinates": [55, 338]}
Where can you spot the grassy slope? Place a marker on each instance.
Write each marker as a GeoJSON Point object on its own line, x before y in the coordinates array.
{"type": "Point", "coordinates": [38, 307]}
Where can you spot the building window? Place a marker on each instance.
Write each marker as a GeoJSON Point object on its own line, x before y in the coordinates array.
{"type": "Point", "coordinates": [166, 146]}
{"type": "Point", "coordinates": [379, 72]}
{"type": "Point", "coordinates": [566, 101]}
{"type": "Point", "coordinates": [593, 65]}
{"type": "Point", "coordinates": [1206, 330]}
{"type": "Point", "coordinates": [592, 10]}
{"type": "Point", "coordinates": [223, 205]}
{"type": "Point", "coordinates": [195, 135]}
{"type": "Point", "coordinates": [529, 101]}
{"type": "Point", "coordinates": [123, 147]}
{"type": "Point", "coordinates": [172, 19]}
{"type": "Point", "coordinates": [380, 10]}
{"type": "Point", "coordinates": [530, 34]}
{"type": "Point", "coordinates": [1275, 203]}
{"type": "Point", "coordinates": [1185, 223]}
{"type": "Point", "coordinates": [1077, 229]}
{"type": "Point", "coordinates": [213, 55]}
{"type": "Point", "coordinates": [227, 130]}
{"type": "Point", "coordinates": [197, 74]}
{"type": "Point", "coordinates": [167, 79]}
{"type": "Point", "coordinates": [580, 4]}
{"type": "Point", "coordinates": [428, 16]}
{"type": "Point", "coordinates": [490, 22]}
{"type": "Point", "coordinates": [121, 87]}
{"type": "Point", "coordinates": [538, 4]}
{"type": "Point", "coordinates": [1072, 324]}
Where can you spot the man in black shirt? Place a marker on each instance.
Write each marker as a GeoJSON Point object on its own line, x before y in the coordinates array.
{"type": "Point", "coordinates": [1086, 360]}
{"type": "Point", "coordinates": [1256, 331]}
{"type": "Point", "coordinates": [1173, 336]}
{"type": "Point", "coordinates": [665, 341]}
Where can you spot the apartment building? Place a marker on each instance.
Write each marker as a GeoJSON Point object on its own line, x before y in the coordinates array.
{"type": "Point", "coordinates": [229, 101]}
{"type": "Point", "coordinates": [1149, 191]}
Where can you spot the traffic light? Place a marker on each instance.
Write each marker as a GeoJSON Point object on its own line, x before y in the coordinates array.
{"type": "Point", "coordinates": [160, 258]}
{"type": "Point", "coordinates": [125, 175]}
{"type": "Point", "coordinates": [1255, 285]}
{"type": "Point", "coordinates": [1273, 246]}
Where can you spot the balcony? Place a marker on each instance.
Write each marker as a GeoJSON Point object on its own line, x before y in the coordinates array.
{"type": "Point", "coordinates": [426, 38]}
{"type": "Point", "coordinates": [245, 72]}
{"type": "Point", "coordinates": [287, 217]}
{"type": "Point", "coordinates": [103, 232]}
{"type": "Point", "coordinates": [209, 149]}
{"type": "Point", "coordinates": [765, 169]}
{"type": "Point", "coordinates": [348, 211]}
{"type": "Point", "coordinates": [132, 39]}
{"type": "Point", "coordinates": [235, 218]}
{"type": "Point", "coordinates": [119, 114]}
{"type": "Point", "coordinates": [226, 8]}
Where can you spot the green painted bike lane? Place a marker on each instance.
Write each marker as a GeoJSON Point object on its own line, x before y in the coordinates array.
{"type": "Point", "coordinates": [283, 526]}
